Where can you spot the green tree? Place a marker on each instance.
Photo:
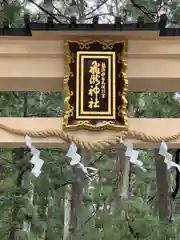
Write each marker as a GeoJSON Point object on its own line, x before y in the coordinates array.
{"type": "Point", "coordinates": [34, 208]}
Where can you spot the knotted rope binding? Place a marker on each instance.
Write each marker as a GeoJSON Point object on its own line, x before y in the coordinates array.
{"type": "Point", "coordinates": [95, 146]}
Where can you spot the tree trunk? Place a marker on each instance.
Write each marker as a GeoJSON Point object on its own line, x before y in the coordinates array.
{"type": "Point", "coordinates": [162, 195]}
{"type": "Point", "coordinates": [125, 169]}
{"type": "Point", "coordinates": [19, 154]}
{"type": "Point", "coordinates": [49, 213]}
{"type": "Point", "coordinates": [162, 189]}
{"type": "Point", "coordinates": [67, 213]}
{"type": "Point", "coordinates": [123, 165]}
{"type": "Point", "coordinates": [76, 200]}
{"type": "Point", "coordinates": [77, 189]}
{"type": "Point", "coordinates": [29, 184]}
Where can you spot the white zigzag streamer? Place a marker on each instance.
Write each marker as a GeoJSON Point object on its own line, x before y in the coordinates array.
{"type": "Point", "coordinates": [35, 160]}
{"type": "Point", "coordinates": [163, 151]}
{"type": "Point", "coordinates": [133, 155]}
{"type": "Point", "coordinates": [76, 158]}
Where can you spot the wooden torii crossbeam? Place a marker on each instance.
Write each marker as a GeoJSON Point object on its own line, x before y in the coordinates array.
{"type": "Point", "coordinates": [37, 63]}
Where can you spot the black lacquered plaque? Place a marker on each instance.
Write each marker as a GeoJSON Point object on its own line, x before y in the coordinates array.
{"type": "Point", "coordinates": [95, 85]}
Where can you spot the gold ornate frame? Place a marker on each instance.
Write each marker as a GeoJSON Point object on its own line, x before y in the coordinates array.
{"type": "Point", "coordinates": [69, 109]}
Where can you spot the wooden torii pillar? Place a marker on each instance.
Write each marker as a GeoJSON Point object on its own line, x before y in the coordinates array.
{"type": "Point", "coordinates": [37, 63]}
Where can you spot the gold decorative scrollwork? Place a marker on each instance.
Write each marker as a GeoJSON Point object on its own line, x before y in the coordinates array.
{"type": "Point", "coordinates": [107, 45]}
{"type": "Point", "coordinates": [83, 122]}
{"type": "Point", "coordinates": [119, 111]}
{"type": "Point", "coordinates": [71, 111]}
{"type": "Point", "coordinates": [111, 122]}
{"type": "Point", "coordinates": [119, 57]}
{"type": "Point", "coordinates": [119, 94]}
{"type": "Point", "coordinates": [119, 74]}
{"type": "Point", "coordinates": [71, 74]}
{"type": "Point", "coordinates": [84, 45]}
{"type": "Point", "coordinates": [71, 93]}
{"type": "Point", "coordinates": [72, 57]}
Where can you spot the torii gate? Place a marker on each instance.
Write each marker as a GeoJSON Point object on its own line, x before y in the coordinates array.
{"type": "Point", "coordinates": [37, 63]}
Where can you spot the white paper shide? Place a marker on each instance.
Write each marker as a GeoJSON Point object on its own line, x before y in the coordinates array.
{"type": "Point", "coordinates": [35, 160]}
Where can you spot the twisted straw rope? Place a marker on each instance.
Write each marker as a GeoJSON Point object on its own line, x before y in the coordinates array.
{"type": "Point", "coordinates": [96, 146]}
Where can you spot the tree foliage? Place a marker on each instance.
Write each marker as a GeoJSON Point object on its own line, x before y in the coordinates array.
{"type": "Point", "coordinates": [100, 213]}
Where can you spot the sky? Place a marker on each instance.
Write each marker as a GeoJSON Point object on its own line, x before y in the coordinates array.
{"type": "Point", "coordinates": [32, 7]}
{"type": "Point", "coordinates": [103, 9]}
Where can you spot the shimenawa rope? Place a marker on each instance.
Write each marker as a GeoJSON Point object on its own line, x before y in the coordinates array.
{"type": "Point", "coordinates": [96, 146]}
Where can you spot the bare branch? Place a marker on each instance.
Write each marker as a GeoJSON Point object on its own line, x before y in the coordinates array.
{"type": "Point", "coordinates": [93, 10]}
{"type": "Point", "coordinates": [151, 198]}
{"type": "Point", "coordinates": [99, 15]}
{"type": "Point", "coordinates": [16, 96]}
{"type": "Point", "coordinates": [45, 11]}
{"type": "Point", "coordinates": [96, 160]}
{"type": "Point", "coordinates": [60, 14]}
{"type": "Point", "coordinates": [71, 181]}
{"type": "Point", "coordinates": [143, 10]}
